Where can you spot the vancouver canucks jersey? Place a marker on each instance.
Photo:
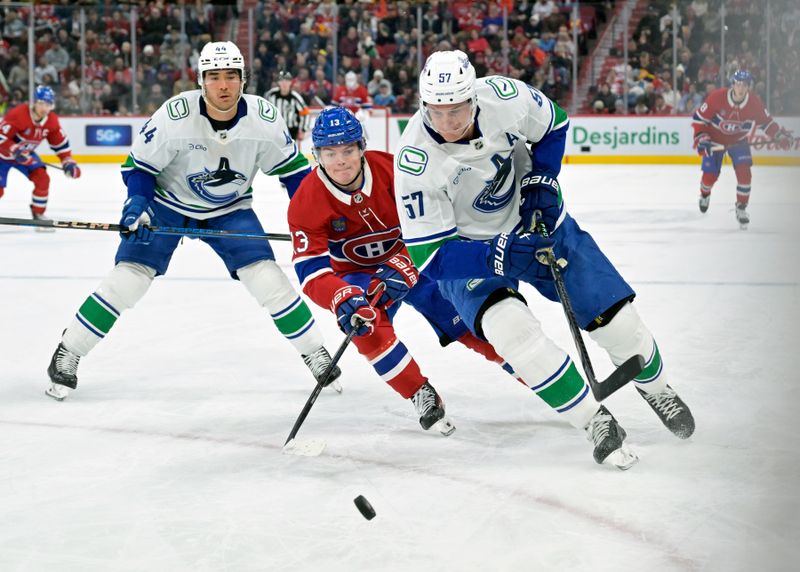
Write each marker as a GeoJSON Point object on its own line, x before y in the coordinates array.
{"type": "Point", "coordinates": [203, 173]}
{"type": "Point", "coordinates": [469, 189]}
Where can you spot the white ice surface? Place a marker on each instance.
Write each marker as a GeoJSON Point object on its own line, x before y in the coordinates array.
{"type": "Point", "coordinates": [168, 456]}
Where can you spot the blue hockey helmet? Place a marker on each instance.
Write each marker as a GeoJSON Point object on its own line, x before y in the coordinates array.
{"type": "Point", "coordinates": [337, 126]}
{"type": "Point", "coordinates": [742, 76]}
{"type": "Point", "coordinates": [44, 93]}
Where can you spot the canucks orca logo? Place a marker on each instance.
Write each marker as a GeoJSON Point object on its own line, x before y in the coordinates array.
{"type": "Point", "coordinates": [488, 200]}
{"type": "Point", "coordinates": [204, 182]}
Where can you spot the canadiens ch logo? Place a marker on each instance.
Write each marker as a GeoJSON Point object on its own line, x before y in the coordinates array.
{"type": "Point", "coordinates": [205, 181]}
{"type": "Point", "coordinates": [371, 249]}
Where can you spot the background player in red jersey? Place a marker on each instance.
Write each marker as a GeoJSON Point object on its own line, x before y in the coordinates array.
{"type": "Point", "coordinates": [347, 246]}
{"type": "Point", "coordinates": [21, 131]}
{"type": "Point", "coordinates": [722, 125]}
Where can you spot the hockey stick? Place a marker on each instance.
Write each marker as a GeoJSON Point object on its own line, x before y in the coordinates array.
{"type": "Point", "coordinates": [190, 232]}
{"type": "Point", "coordinates": [314, 447]}
{"type": "Point", "coordinates": [53, 166]}
{"type": "Point", "coordinates": [621, 376]}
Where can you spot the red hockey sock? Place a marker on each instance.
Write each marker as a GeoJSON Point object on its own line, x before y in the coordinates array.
{"type": "Point", "coordinates": [41, 190]}
{"type": "Point", "coordinates": [707, 182]}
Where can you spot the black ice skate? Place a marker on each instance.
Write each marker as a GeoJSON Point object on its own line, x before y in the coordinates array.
{"type": "Point", "coordinates": [318, 363]}
{"type": "Point", "coordinates": [608, 437]}
{"type": "Point", "coordinates": [703, 203]}
{"type": "Point", "coordinates": [672, 411]}
{"type": "Point", "coordinates": [63, 372]}
{"type": "Point", "coordinates": [430, 409]}
{"type": "Point", "coordinates": [741, 215]}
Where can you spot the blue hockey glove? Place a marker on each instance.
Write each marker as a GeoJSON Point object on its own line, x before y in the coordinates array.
{"type": "Point", "coordinates": [520, 256]}
{"type": "Point", "coordinates": [71, 169]}
{"type": "Point", "coordinates": [353, 311]}
{"type": "Point", "coordinates": [22, 155]}
{"type": "Point", "coordinates": [136, 213]}
{"type": "Point", "coordinates": [539, 192]}
{"type": "Point", "coordinates": [397, 276]}
{"type": "Point", "coordinates": [704, 144]}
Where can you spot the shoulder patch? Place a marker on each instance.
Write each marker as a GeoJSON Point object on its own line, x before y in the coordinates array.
{"type": "Point", "coordinates": [267, 111]}
{"type": "Point", "coordinates": [503, 88]}
{"type": "Point", "coordinates": [412, 160]}
{"type": "Point", "coordinates": [178, 108]}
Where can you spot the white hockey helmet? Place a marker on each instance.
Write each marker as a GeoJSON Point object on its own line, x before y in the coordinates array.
{"type": "Point", "coordinates": [448, 77]}
{"type": "Point", "coordinates": [219, 56]}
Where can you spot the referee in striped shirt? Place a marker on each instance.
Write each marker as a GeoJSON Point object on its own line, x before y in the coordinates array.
{"type": "Point", "coordinates": [291, 105]}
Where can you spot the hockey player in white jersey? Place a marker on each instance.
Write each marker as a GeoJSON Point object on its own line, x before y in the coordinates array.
{"type": "Point", "coordinates": [192, 165]}
{"type": "Point", "coordinates": [475, 167]}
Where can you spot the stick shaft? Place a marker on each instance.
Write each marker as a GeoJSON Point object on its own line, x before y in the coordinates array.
{"type": "Point", "coordinates": [110, 227]}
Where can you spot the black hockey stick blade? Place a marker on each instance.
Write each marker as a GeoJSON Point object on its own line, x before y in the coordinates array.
{"type": "Point", "coordinates": [619, 378]}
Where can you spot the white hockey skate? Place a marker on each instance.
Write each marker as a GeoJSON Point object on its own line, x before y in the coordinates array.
{"type": "Point", "coordinates": [35, 216]}
{"type": "Point", "coordinates": [703, 202]}
{"type": "Point", "coordinates": [741, 216]}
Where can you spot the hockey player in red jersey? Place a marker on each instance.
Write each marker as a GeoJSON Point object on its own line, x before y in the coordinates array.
{"type": "Point", "coordinates": [21, 131]}
{"type": "Point", "coordinates": [348, 247]}
{"type": "Point", "coordinates": [721, 125]}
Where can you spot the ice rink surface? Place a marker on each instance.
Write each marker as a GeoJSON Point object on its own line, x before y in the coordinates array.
{"type": "Point", "coordinates": [168, 456]}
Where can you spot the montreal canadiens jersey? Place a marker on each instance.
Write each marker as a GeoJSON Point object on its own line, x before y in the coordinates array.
{"type": "Point", "coordinates": [334, 232]}
{"type": "Point", "coordinates": [469, 189]}
{"type": "Point", "coordinates": [728, 122]}
{"type": "Point", "coordinates": [18, 127]}
{"type": "Point", "coordinates": [203, 173]}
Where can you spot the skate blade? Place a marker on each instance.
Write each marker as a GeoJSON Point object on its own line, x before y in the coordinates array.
{"type": "Point", "coordinates": [57, 392]}
{"type": "Point", "coordinates": [336, 386]}
{"type": "Point", "coordinates": [623, 458]}
{"type": "Point", "coordinates": [304, 448]}
{"type": "Point", "coordinates": [444, 426]}
{"type": "Point", "coordinates": [45, 229]}
{"type": "Point", "coordinates": [743, 225]}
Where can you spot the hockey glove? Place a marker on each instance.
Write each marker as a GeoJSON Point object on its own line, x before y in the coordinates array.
{"type": "Point", "coordinates": [520, 256]}
{"type": "Point", "coordinates": [539, 192]}
{"type": "Point", "coordinates": [22, 155]}
{"type": "Point", "coordinates": [704, 144]}
{"type": "Point", "coordinates": [396, 276]}
{"type": "Point", "coordinates": [353, 311]}
{"type": "Point", "coordinates": [71, 169]}
{"type": "Point", "coordinates": [783, 139]}
{"type": "Point", "coordinates": [137, 212]}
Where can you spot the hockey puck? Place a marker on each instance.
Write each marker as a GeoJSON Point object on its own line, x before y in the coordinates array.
{"type": "Point", "coordinates": [364, 507]}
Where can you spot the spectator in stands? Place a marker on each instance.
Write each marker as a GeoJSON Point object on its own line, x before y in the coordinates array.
{"type": "Point", "coordinates": [320, 90]}
{"type": "Point", "coordinates": [641, 106]}
{"type": "Point", "coordinates": [348, 45]}
{"type": "Point", "coordinates": [607, 98]}
{"type": "Point", "coordinates": [690, 100]}
{"type": "Point", "coordinates": [374, 84]}
{"type": "Point", "coordinates": [18, 75]}
{"type": "Point", "coordinates": [660, 107]}
{"type": "Point", "coordinates": [598, 108]}
{"type": "Point", "coordinates": [384, 97]}
{"type": "Point", "coordinates": [58, 57]}
{"type": "Point", "coordinates": [44, 69]}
